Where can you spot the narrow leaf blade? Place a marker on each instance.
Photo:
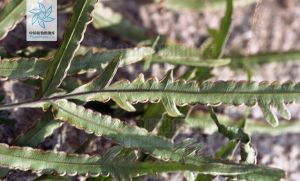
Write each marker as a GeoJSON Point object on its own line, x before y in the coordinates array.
{"type": "Point", "coordinates": [24, 68]}
{"type": "Point", "coordinates": [64, 56]}
{"type": "Point", "coordinates": [44, 128]}
{"type": "Point", "coordinates": [11, 15]}
{"type": "Point", "coordinates": [104, 79]}
{"type": "Point", "coordinates": [135, 137]}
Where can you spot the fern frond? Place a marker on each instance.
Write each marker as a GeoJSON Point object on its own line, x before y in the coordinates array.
{"type": "Point", "coordinates": [65, 54]}
{"type": "Point", "coordinates": [201, 120]}
{"type": "Point", "coordinates": [23, 68]}
{"type": "Point", "coordinates": [91, 60]}
{"type": "Point", "coordinates": [32, 159]}
{"type": "Point", "coordinates": [242, 61]}
{"type": "Point", "coordinates": [103, 80]}
{"type": "Point", "coordinates": [180, 55]}
{"type": "Point", "coordinates": [180, 93]}
{"type": "Point", "coordinates": [232, 133]}
{"type": "Point", "coordinates": [135, 137]}
{"type": "Point", "coordinates": [44, 128]}
{"type": "Point", "coordinates": [105, 125]}
{"type": "Point", "coordinates": [11, 15]}
{"type": "Point", "coordinates": [214, 48]}
{"type": "Point", "coordinates": [40, 161]}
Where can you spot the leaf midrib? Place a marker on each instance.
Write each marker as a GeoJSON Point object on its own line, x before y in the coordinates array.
{"type": "Point", "coordinates": [70, 96]}
{"type": "Point", "coordinates": [68, 44]}
{"type": "Point", "coordinates": [174, 91]}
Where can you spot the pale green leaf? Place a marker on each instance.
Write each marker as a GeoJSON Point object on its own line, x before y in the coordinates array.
{"type": "Point", "coordinates": [95, 60]}
{"type": "Point", "coordinates": [210, 93]}
{"type": "Point", "coordinates": [135, 137]}
{"type": "Point", "coordinates": [214, 48]}
{"type": "Point", "coordinates": [24, 68]}
{"type": "Point", "coordinates": [248, 153]}
{"type": "Point", "coordinates": [187, 93]}
{"type": "Point", "coordinates": [168, 101]}
{"type": "Point", "coordinates": [252, 61]}
{"type": "Point", "coordinates": [105, 125]}
{"type": "Point", "coordinates": [58, 162]}
{"type": "Point", "coordinates": [201, 120]}
{"type": "Point", "coordinates": [74, 35]}
{"type": "Point", "coordinates": [103, 80]}
{"type": "Point", "coordinates": [11, 15]}
{"type": "Point", "coordinates": [180, 55]}
{"type": "Point", "coordinates": [44, 128]}
{"type": "Point", "coordinates": [269, 114]}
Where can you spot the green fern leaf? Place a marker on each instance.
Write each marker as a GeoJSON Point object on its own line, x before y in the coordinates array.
{"type": "Point", "coordinates": [214, 48]}
{"type": "Point", "coordinates": [94, 60]}
{"type": "Point", "coordinates": [105, 125]}
{"type": "Point", "coordinates": [252, 61]}
{"type": "Point", "coordinates": [180, 55]}
{"type": "Point", "coordinates": [24, 68]}
{"type": "Point", "coordinates": [33, 159]}
{"type": "Point", "coordinates": [135, 137]}
{"type": "Point", "coordinates": [58, 162]}
{"type": "Point", "coordinates": [103, 80]}
{"type": "Point", "coordinates": [44, 128]}
{"type": "Point", "coordinates": [64, 56]}
{"type": "Point", "coordinates": [232, 133]}
{"type": "Point", "coordinates": [182, 93]}
{"type": "Point", "coordinates": [11, 15]}
{"type": "Point", "coordinates": [253, 126]}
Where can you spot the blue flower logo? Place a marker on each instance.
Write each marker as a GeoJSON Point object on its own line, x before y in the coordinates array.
{"type": "Point", "coordinates": [41, 15]}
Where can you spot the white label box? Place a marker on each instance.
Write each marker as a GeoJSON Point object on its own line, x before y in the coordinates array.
{"type": "Point", "coordinates": [41, 20]}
